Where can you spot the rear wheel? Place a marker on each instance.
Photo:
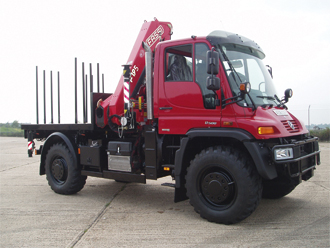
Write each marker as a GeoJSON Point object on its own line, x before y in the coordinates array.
{"type": "Point", "coordinates": [223, 185]}
{"type": "Point", "coordinates": [61, 172]}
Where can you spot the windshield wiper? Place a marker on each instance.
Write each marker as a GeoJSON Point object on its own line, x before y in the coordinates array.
{"type": "Point", "coordinates": [272, 98]}
{"type": "Point", "coordinates": [277, 99]}
{"type": "Point", "coordinates": [281, 104]}
{"type": "Point", "coordinates": [267, 97]}
{"type": "Point", "coordinates": [231, 67]}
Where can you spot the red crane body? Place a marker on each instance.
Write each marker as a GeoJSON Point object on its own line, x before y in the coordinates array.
{"type": "Point", "coordinates": [151, 33]}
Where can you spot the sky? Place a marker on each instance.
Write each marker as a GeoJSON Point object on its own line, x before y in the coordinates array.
{"type": "Point", "coordinates": [295, 36]}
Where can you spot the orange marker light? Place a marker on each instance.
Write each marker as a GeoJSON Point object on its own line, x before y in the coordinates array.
{"type": "Point", "coordinates": [266, 130]}
{"type": "Point", "coordinates": [166, 168]}
{"type": "Point", "coordinates": [227, 123]}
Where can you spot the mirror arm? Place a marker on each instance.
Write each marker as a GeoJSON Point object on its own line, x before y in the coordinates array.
{"type": "Point", "coordinates": [217, 101]}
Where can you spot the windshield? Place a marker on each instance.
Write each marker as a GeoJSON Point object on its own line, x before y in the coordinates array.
{"type": "Point", "coordinates": [242, 64]}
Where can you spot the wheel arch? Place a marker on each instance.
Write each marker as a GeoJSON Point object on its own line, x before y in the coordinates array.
{"type": "Point", "coordinates": [54, 138]}
{"type": "Point", "coordinates": [199, 139]}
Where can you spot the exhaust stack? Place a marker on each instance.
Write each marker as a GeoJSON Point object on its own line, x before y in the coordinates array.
{"type": "Point", "coordinates": [148, 59]}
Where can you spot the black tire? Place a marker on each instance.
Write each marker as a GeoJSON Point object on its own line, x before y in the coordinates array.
{"type": "Point", "coordinates": [61, 172]}
{"type": "Point", "coordinates": [223, 185]}
{"type": "Point", "coordinates": [278, 187]}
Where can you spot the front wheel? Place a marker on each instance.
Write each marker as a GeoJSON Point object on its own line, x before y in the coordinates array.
{"type": "Point", "coordinates": [278, 187]}
{"type": "Point", "coordinates": [62, 174]}
{"type": "Point", "coordinates": [223, 185]}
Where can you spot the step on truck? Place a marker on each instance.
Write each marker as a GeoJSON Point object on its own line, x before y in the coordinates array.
{"type": "Point", "coordinates": [202, 110]}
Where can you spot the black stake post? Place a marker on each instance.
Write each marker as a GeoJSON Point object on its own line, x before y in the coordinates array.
{"type": "Point", "coordinates": [75, 91]}
{"type": "Point", "coordinates": [91, 89]}
{"type": "Point", "coordinates": [83, 87]}
{"type": "Point", "coordinates": [44, 98]}
{"type": "Point", "coordinates": [58, 97]}
{"type": "Point", "coordinates": [98, 79]}
{"type": "Point", "coordinates": [102, 83]}
{"type": "Point", "coordinates": [90, 77]}
{"type": "Point", "coordinates": [37, 103]}
{"type": "Point", "coordinates": [86, 91]}
{"type": "Point", "coordinates": [51, 97]}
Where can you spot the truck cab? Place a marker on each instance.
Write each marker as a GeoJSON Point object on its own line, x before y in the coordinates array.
{"type": "Point", "coordinates": [183, 103]}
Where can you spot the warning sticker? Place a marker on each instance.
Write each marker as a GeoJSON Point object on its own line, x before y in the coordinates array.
{"type": "Point", "coordinates": [30, 145]}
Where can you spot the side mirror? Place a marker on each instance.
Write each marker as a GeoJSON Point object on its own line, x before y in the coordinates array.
{"type": "Point", "coordinates": [212, 58]}
{"type": "Point", "coordinates": [213, 83]}
{"type": "Point", "coordinates": [287, 94]}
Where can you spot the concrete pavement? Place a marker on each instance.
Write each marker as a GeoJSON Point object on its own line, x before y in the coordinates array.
{"type": "Point", "coordinates": [110, 214]}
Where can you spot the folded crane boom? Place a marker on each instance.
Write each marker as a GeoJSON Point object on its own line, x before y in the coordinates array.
{"type": "Point", "coordinates": [119, 103]}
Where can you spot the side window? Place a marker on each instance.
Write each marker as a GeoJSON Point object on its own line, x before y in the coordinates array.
{"type": "Point", "coordinates": [201, 75]}
{"type": "Point", "coordinates": [178, 63]}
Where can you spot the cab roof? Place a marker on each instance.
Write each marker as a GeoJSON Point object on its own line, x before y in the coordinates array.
{"type": "Point", "coordinates": [219, 37]}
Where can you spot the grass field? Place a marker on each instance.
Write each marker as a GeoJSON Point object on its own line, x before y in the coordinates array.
{"type": "Point", "coordinates": [8, 131]}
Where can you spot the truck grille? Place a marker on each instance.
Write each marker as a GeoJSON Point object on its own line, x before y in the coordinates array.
{"type": "Point", "coordinates": [291, 126]}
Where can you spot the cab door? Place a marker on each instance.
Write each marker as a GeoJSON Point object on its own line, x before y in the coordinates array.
{"type": "Point", "coordinates": [184, 102]}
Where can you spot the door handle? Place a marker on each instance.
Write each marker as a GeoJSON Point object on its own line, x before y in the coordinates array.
{"type": "Point", "coordinates": [165, 108]}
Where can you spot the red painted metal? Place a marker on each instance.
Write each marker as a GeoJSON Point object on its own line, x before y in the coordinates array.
{"type": "Point", "coordinates": [183, 98]}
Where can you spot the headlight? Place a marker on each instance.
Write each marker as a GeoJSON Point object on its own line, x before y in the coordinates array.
{"type": "Point", "coordinates": [283, 153]}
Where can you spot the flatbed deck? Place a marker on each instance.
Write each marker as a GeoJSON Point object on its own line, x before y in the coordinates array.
{"type": "Point", "coordinates": [57, 127]}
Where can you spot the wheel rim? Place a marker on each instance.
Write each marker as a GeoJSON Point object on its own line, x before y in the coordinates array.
{"type": "Point", "coordinates": [59, 170]}
{"type": "Point", "coordinates": [217, 187]}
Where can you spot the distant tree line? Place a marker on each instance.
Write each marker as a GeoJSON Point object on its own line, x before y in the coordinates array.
{"type": "Point", "coordinates": [318, 126]}
{"type": "Point", "coordinates": [11, 129]}
{"type": "Point", "coordinates": [322, 134]}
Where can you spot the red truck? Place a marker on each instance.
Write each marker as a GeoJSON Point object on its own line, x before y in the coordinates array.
{"type": "Point", "coordinates": [203, 110]}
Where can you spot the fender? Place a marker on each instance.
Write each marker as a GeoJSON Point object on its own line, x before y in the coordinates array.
{"type": "Point", "coordinates": [56, 137]}
{"type": "Point", "coordinates": [258, 154]}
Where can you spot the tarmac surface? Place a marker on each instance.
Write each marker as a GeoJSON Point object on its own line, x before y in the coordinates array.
{"type": "Point", "coordinates": [111, 214]}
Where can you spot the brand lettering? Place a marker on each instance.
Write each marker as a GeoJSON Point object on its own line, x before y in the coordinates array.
{"type": "Point", "coordinates": [133, 72]}
{"type": "Point", "coordinates": [211, 123]}
{"type": "Point", "coordinates": [155, 36]}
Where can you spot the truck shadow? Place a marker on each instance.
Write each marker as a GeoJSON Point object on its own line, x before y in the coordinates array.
{"type": "Point", "coordinates": [134, 198]}
{"type": "Point", "coordinates": [280, 211]}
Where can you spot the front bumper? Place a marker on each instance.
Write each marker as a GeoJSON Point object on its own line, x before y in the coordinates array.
{"type": "Point", "coordinates": [302, 157]}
